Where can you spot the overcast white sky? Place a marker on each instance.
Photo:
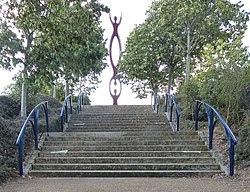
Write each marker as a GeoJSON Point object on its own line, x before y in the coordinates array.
{"type": "Point", "coordinates": [133, 12]}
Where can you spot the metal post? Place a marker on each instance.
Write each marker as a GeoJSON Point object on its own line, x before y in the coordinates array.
{"type": "Point", "coordinates": [36, 114]}
{"type": "Point", "coordinates": [171, 110]}
{"type": "Point", "coordinates": [231, 156]}
{"type": "Point", "coordinates": [166, 103]}
{"type": "Point", "coordinates": [197, 108]}
{"type": "Point", "coordinates": [20, 157]}
{"type": "Point", "coordinates": [47, 118]}
{"type": "Point", "coordinates": [114, 78]}
{"type": "Point", "coordinates": [211, 128]}
{"type": "Point", "coordinates": [70, 104]}
{"type": "Point", "coordinates": [66, 112]}
{"type": "Point", "coordinates": [177, 122]}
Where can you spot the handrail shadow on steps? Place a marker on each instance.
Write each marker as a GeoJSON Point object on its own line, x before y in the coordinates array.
{"type": "Point", "coordinates": [211, 111]}
{"type": "Point", "coordinates": [20, 139]}
{"type": "Point", "coordinates": [172, 103]}
{"type": "Point", "coordinates": [65, 111]}
{"type": "Point", "coordinates": [80, 102]}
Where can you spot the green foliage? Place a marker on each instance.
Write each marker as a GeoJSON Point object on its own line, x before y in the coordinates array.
{"type": "Point", "coordinates": [186, 95]}
{"type": "Point", "coordinates": [222, 63]}
{"type": "Point", "coordinates": [158, 50]}
{"type": "Point", "coordinates": [243, 148]}
{"type": "Point", "coordinates": [222, 79]}
{"type": "Point", "coordinates": [14, 91]}
{"type": "Point", "coordinates": [86, 100]}
{"type": "Point", "coordinates": [150, 57]}
{"type": "Point", "coordinates": [74, 45]}
{"type": "Point", "coordinates": [52, 40]}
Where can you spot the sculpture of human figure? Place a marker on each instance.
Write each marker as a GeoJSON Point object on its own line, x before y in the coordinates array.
{"type": "Point", "coordinates": [115, 25]}
{"type": "Point", "coordinates": [115, 34]}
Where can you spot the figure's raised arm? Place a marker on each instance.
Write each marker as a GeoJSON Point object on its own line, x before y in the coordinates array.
{"type": "Point", "coordinates": [120, 19]}
{"type": "Point", "coordinates": [110, 18]}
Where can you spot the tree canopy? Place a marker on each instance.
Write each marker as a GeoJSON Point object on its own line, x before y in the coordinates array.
{"type": "Point", "coordinates": [174, 36]}
{"type": "Point", "coordinates": [52, 40]}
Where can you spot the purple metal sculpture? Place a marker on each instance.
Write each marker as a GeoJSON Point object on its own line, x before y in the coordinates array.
{"type": "Point", "coordinates": [114, 78]}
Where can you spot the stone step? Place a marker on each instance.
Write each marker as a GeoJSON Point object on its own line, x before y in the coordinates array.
{"type": "Point", "coordinates": [123, 173]}
{"type": "Point", "coordinates": [119, 120]}
{"type": "Point", "coordinates": [118, 124]}
{"type": "Point", "coordinates": [121, 138]}
{"type": "Point", "coordinates": [120, 134]}
{"type": "Point", "coordinates": [130, 166]}
{"type": "Point", "coordinates": [121, 126]}
{"type": "Point", "coordinates": [119, 117]}
{"type": "Point", "coordinates": [118, 109]}
{"type": "Point", "coordinates": [115, 160]}
{"type": "Point", "coordinates": [129, 148]}
{"type": "Point", "coordinates": [110, 129]}
{"type": "Point", "coordinates": [124, 142]}
{"type": "Point", "coordinates": [189, 154]}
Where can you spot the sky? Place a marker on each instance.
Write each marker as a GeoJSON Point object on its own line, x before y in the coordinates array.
{"type": "Point", "coordinates": [133, 12]}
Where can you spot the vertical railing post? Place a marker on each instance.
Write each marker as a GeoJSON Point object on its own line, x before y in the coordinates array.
{"type": "Point", "coordinates": [82, 103]}
{"type": "Point", "coordinates": [47, 117]}
{"type": "Point", "coordinates": [177, 122]}
{"type": "Point", "coordinates": [62, 119]}
{"type": "Point", "coordinates": [166, 103]}
{"type": "Point", "coordinates": [231, 156]}
{"type": "Point", "coordinates": [197, 108]}
{"type": "Point", "coordinates": [20, 157]}
{"type": "Point", "coordinates": [66, 111]}
{"type": "Point", "coordinates": [70, 104]}
{"type": "Point", "coordinates": [211, 128]}
{"type": "Point", "coordinates": [171, 110]}
{"type": "Point", "coordinates": [36, 114]}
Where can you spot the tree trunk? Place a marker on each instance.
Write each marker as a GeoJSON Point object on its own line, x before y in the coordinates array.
{"type": "Point", "coordinates": [188, 57]}
{"type": "Point", "coordinates": [170, 78]}
{"type": "Point", "coordinates": [24, 101]}
{"type": "Point", "coordinates": [54, 91]}
{"type": "Point", "coordinates": [66, 88]}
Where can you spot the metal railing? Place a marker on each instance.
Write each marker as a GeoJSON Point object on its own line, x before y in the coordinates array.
{"type": "Point", "coordinates": [80, 102]}
{"type": "Point", "coordinates": [172, 103]}
{"type": "Point", "coordinates": [65, 111]}
{"type": "Point", "coordinates": [155, 101]}
{"type": "Point", "coordinates": [211, 111]}
{"type": "Point", "coordinates": [20, 139]}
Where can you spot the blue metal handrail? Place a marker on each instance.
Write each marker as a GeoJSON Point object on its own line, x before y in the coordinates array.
{"type": "Point", "coordinates": [156, 102]}
{"type": "Point", "coordinates": [212, 121]}
{"type": "Point", "coordinates": [20, 139]}
{"type": "Point", "coordinates": [172, 103]}
{"type": "Point", "coordinates": [80, 102]}
{"type": "Point", "coordinates": [64, 115]}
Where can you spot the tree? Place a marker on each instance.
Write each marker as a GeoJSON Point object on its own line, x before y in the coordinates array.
{"type": "Point", "coordinates": [224, 77]}
{"type": "Point", "coordinates": [52, 39]}
{"type": "Point", "coordinates": [196, 23]}
{"type": "Point", "coordinates": [150, 57]}
{"type": "Point", "coordinates": [75, 44]}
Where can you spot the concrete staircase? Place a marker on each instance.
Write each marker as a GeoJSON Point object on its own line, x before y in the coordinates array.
{"type": "Point", "coordinates": [123, 141]}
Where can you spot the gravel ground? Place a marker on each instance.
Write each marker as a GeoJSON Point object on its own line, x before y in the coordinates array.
{"type": "Point", "coordinates": [224, 184]}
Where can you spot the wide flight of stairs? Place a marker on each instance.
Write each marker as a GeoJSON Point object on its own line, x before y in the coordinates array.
{"type": "Point", "coordinates": [123, 141]}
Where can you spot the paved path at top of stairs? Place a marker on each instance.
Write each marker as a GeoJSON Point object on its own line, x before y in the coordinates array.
{"type": "Point", "coordinates": [126, 185]}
